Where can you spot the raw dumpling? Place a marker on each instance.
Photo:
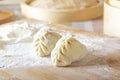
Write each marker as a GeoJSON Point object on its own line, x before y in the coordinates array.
{"type": "Point", "coordinates": [45, 42]}
{"type": "Point", "coordinates": [66, 51]}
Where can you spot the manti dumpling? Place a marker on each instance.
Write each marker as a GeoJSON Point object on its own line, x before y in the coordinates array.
{"type": "Point", "coordinates": [66, 51]}
{"type": "Point", "coordinates": [45, 42]}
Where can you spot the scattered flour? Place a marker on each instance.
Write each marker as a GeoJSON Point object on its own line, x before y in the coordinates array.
{"type": "Point", "coordinates": [16, 48]}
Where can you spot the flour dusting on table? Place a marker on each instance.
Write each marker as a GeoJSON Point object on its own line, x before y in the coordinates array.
{"type": "Point", "coordinates": [16, 49]}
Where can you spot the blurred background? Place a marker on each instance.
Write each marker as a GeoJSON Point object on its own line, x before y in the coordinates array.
{"type": "Point", "coordinates": [95, 25]}
{"type": "Point", "coordinates": [10, 1]}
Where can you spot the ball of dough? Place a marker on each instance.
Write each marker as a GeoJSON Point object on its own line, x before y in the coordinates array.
{"type": "Point", "coordinates": [66, 51]}
{"type": "Point", "coordinates": [45, 42]}
{"type": "Point", "coordinates": [64, 4]}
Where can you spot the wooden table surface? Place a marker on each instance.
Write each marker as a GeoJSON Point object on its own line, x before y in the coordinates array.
{"type": "Point", "coordinates": [91, 68]}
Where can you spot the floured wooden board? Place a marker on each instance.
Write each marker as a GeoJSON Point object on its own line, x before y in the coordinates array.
{"type": "Point", "coordinates": [5, 16]}
{"type": "Point", "coordinates": [101, 63]}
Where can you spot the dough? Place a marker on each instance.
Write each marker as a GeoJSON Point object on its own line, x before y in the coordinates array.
{"type": "Point", "coordinates": [45, 42]}
{"type": "Point", "coordinates": [64, 4]}
{"type": "Point", "coordinates": [66, 51]}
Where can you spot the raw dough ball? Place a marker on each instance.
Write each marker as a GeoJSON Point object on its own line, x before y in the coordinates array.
{"type": "Point", "coordinates": [67, 50]}
{"type": "Point", "coordinates": [45, 42]}
{"type": "Point", "coordinates": [64, 4]}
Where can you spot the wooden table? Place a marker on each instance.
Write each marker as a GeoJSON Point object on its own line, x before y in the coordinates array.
{"type": "Point", "coordinates": [95, 69]}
